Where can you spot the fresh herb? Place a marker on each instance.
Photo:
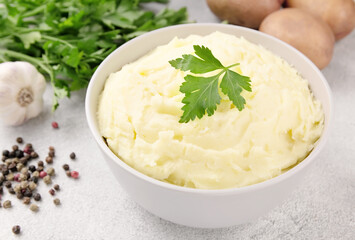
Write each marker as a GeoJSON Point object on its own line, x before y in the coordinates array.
{"type": "Point", "coordinates": [201, 93]}
{"type": "Point", "coordinates": [67, 39]}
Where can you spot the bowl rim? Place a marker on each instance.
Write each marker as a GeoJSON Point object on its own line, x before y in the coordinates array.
{"type": "Point", "coordinates": [218, 192]}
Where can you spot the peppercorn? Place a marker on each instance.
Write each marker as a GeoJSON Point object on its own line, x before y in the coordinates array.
{"type": "Point", "coordinates": [52, 192]}
{"type": "Point", "coordinates": [49, 160]}
{"type": "Point", "coordinates": [42, 174]}
{"type": "Point", "coordinates": [47, 179]}
{"type": "Point", "coordinates": [40, 169]}
{"type": "Point", "coordinates": [23, 161]}
{"type": "Point", "coordinates": [51, 154]}
{"type": "Point", "coordinates": [14, 147]}
{"type": "Point", "coordinates": [5, 171]}
{"type": "Point", "coordinates": [35, 174]}
{"type": "Point", "coordinates": [29, 145]}
{"type": "Point", "coordinates": [56, 201]}
{"type": "Point", "coordinates": [19, 166]}
{"type": "Point", "coordinates": [11, 190]}
{"type": "Point", "coordinates": [16, 229]}
{"type": "Point", "coordinates": [34, 179]}
{"type": "Point", "coordinates": [68, 173]}
{"type": "Point", "coordinates": [34, 207]}
{"type": "Point", "coordinates": [19, 140]}
{"type": "Point", "coordinates": [32, 186]}
{"type": "Point", "coordinates": [19, 195]}
{"type": "Point", "coordinates": [17, 188]}
{"type": "Point", "coordinates": [37, 197]}
{"type": "Point", "coordinates": [12, 154]}
{"type": "Point", "coordinates": [28, 175]}
{"type": "Point", "coordinates": [19, 154]}
{"type": "Point", "coordinates": [72, 155]}
{"type": "Point", "coordinates": [56, 187]}
{"type": "Point", "coordinates": [12, 167]}
{"type": "Point", "coordinates": [7, 204]}
{"type": "Point", "coordinates": [40, 163]}
{"type": "Point", "coordinates": [51, 171]}
{"type": "Point", "coordinates": [66, 167]}
{"type": "Point", "coordinates": [24, 184]}
{"type": "Point", "coordinates": [34, 155]}
{"type": "Point", "coordinates": [26, 200]}
{"type": "Point", "coordinates": [32, 168]}
{"type": "Point", "coordinates": [24, 170]}
{"type": "Point", "coordinates": [74, 174]}
{"type": "Point", "coordinates": [10, 177]}
{"type": "Point", "coordinates": [5, 153]}
{"type": "Point", "coordinates": [28, 193]}
{"type": "Point", "coordinates": [22, 177]}
{"type": "Point", "coordinates": [7, 184]}
{"type": "Point", "coordinates": [55, 125]}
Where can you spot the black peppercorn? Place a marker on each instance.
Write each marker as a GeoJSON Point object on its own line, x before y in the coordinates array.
{"type": "Point", "coordinates": [16, 229]}
{"type": "Point", "coordinates": [56, 187]}
{"type": "Point", "coordinates": [11, 190]}
{"type": "Point", "coordinates": [12, 167]}
{"type": "Point", "coordinates": [14, 147]}
{"type": "Point", "coordinates": [5, 153]}
{"type": "Point", "coordinates": [32, 168]}
{"type": "Point", "coordinates": [19, 195]}
{"type": "Point", "coordinates": [72, 155]}
{"type": "Point", "coordinates": [37, 197]}
{"type": "Point", "coordinates": [28, 193]}
{"type": "Point", "coordinates": [19, 140]}
{"type": "Point", "coordinates": [8, 184]}
{"type": "Point", "coordinates": [19, 154]}
{"type": "Point", "coordinates": [12, 154]}
{"type": "Point", "coordinates": [66, 167]}
{"type": "Point", "coordinates": [40, 163]}
{"type": "Point", "coordinates": [34, 179]}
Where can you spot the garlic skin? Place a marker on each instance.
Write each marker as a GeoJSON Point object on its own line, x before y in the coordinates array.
{"type": "Point", "coordinates": [21, 92]}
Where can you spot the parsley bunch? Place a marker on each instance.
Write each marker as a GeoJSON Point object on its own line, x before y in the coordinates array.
{"type": "Point", "coordinates": [201, 93]}
{"type": "Point", "coordinates": [68, 39]}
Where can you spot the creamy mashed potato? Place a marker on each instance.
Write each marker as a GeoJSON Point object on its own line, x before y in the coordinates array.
{"type": "Point", "coordinates": [140, 107]}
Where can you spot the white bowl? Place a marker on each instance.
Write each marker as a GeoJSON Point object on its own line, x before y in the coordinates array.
{"type": "Point", "coordinates": [196, 207]}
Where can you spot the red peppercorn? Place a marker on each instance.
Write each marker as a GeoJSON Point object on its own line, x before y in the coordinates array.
{"type": "Point", "coordinates": [16, 177]}
{"type": "Point", "coordinates": [74, 174]}
{"type": "Point", "coordinates": [55, 125]}
{"type": "Point", "coordinates": [27, 150]}
{"type": "Point", "coordinates": [42, 174]}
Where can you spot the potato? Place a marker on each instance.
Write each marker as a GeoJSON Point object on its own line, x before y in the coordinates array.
{"type": "Point", "coordinates": [307, 33]}
{"type": "Point", "coordinates": [248, 13]}
{"type": "Point", "coordinates": [338, 14]}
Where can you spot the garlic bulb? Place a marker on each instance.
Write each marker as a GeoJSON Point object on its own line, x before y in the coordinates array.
{"type": "Point", "coordinates": [21, 91]}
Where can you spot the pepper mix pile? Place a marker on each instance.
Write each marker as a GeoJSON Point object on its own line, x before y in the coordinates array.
{"type": "Point", "coordinates": [20, 175]}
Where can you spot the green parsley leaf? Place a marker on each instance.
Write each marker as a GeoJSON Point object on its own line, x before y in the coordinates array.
{"type": "Point", "coordinates": [201, 93]}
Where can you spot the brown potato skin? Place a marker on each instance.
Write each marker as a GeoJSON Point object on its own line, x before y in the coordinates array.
{"type": "Point", "coordinates": [305, 32]}
{"type": "Point", "coordinates": [247, 13]}
{"type": "Point", "coordinates": [338, 14]}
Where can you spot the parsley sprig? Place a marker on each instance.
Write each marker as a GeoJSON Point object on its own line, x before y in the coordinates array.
{"type": "Point", "coordinates": [201, 93]}
{"type": "Point", "coordinates": [67, 39]}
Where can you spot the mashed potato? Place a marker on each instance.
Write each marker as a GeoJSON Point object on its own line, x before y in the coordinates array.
{"type": "Point", "coordinates": [140, 107]}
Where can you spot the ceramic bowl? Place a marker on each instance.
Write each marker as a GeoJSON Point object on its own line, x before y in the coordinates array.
{"type": "Point", "coordinates": [196, 207]}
